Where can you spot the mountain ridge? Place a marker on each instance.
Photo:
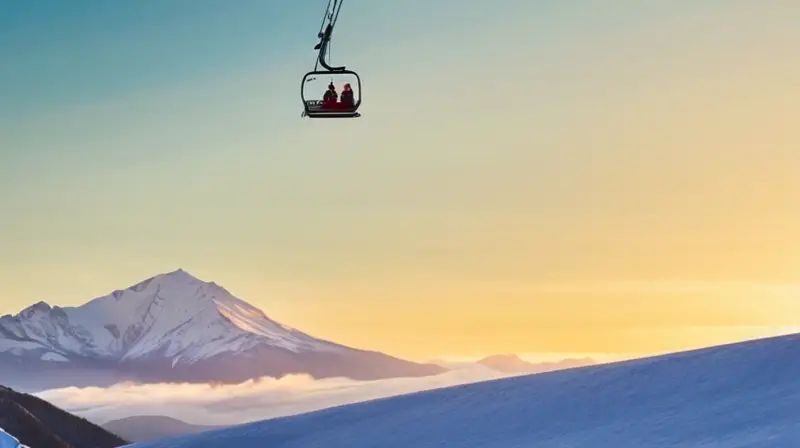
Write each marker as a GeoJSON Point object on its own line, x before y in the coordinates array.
{"type": "Point", "coordinates": [39, 424]}
{"type": "Point", "coordinates": [512, 363]}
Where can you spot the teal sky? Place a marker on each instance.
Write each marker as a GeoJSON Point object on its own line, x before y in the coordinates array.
{"type": "Point", "coordinates": [504, 146]}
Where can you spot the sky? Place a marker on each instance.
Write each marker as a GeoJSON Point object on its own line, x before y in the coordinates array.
{"type": "Point", "coordinates": [530, 177]}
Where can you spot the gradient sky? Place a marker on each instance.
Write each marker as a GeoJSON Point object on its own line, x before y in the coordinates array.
{"type": "Point", "coordinates": [527, 176]}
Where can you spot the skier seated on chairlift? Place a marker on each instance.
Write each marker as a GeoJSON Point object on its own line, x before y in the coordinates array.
{"type": "Point", "coordinates": [330, 97]}
{"type": "Point", "coordinates": [347, 97]}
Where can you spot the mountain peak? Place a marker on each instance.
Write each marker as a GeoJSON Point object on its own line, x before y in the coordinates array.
{"type": "Point", "coordinates": [38, 307]}
{"type": "Point", "coordinates": [173, 278]}
{"type": "Point", "coordinates": [178, 275]}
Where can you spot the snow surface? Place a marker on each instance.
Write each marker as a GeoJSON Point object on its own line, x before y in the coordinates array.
{"type": "Point", "coordinates": [9, 441]}
{"type": "Point", "coordinates": [738, 395]}
{"type": "Point", "coordinates": [172, 315]}
{"type": "Point", "coordinates": [8, 345]}
{"type": "Point", "coordinates": [50, 356]}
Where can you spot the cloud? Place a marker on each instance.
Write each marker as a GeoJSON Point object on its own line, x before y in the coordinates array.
{"type": "Point", "coordinates": [208, 404]}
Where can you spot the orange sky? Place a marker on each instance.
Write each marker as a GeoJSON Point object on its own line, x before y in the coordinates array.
{"type": "Point", "coordinates": [630, 186]}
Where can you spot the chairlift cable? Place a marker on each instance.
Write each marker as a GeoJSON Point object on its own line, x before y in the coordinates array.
{"type": "Point", "coordinates": [335, 19]}
{"type": "Point", "coordinates": [325, 18]}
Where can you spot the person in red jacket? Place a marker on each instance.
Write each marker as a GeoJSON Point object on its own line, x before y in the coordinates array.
{"type": "Point", "coordinates": [348, 100]}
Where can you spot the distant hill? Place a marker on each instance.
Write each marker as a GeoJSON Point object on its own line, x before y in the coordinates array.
{"type": "Point", "coordinates": [39, 424]}
{"type": "Point", "coordinates": [145, 428]}
{"type": "Point", "coordinates": [515, 364]}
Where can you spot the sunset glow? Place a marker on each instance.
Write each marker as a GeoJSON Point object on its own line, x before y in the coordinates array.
{"type": "Point", "coordinates": [527, 177]}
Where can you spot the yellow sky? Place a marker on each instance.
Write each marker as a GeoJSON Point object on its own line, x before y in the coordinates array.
{"type": "Point", "coordinates": [629, 184]}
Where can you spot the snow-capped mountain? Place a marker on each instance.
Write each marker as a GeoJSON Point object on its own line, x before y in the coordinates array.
{"type": "Point", "coordinates": [173, 315]}
{"type": "Point", "coordinates": [175, 327]}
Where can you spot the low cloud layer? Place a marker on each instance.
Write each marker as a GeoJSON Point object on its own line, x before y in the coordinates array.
{"type": "Point", "coordinates": [250, 401]}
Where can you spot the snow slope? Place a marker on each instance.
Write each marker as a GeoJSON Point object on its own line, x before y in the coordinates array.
{"type": "Point", "coordinates": [175, 327]}
{"type": "Point", "coordinates": [738, 395]}
{"type": "Point", "coordinates": [9, 441]}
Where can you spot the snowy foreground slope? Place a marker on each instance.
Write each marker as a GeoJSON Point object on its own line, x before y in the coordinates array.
{"type": "Point", "coordinates": [740, 395]}
{"type": "Point", "coordinates": [173, 327]}
{"type": "Point", "coordinates": [9, 441]}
